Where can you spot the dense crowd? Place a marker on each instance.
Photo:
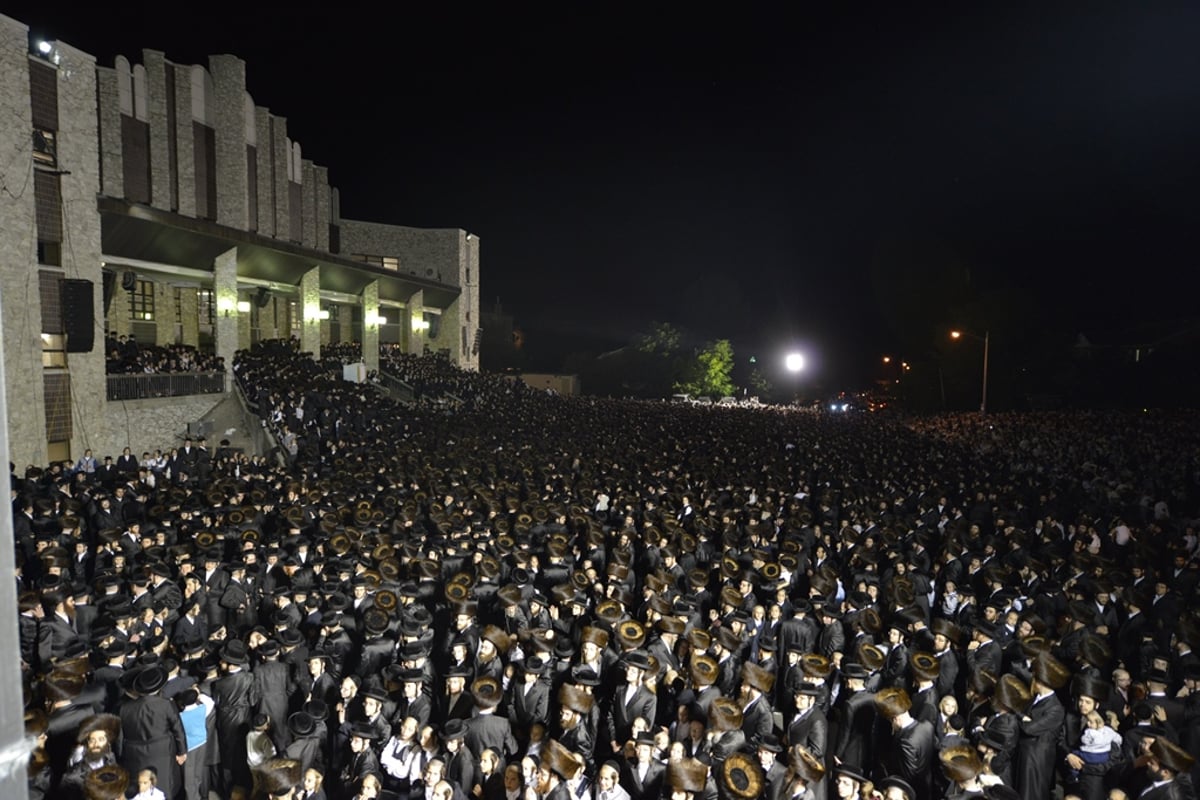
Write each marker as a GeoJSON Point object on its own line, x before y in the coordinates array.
{"type": "Point", "coordinates": [125, 356]}
{"type": "Point", "coordinates": [543, 598]}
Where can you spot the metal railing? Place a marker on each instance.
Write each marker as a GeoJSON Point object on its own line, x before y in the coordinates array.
{"type": "Point", "coordinates": [398, 388]}
{"type": "Point", "coordinates": [178, 384]}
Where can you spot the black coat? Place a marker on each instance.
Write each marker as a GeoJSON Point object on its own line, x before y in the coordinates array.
{"type": "Point", "coordinates": [152, 737]}
{"type": "Point", "coordinates": [1036, 748]}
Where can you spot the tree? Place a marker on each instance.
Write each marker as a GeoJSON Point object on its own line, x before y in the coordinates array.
{"type": "Point", "coordinates": [710, 376]}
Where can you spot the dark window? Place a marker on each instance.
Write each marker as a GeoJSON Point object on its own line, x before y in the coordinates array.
{"type": "Point", "coordinates": [295, 211]}
{"type": "Point", "coordinates": [50, 291]}
{"type": "Point", "coordinates": [206, 170]}
{"type": "Point", "coordinates": [135, 155]}
{"type": "Point", "coordinates": [47, 193]}
{"type": "Point", "coordinates": [58, 406]}
{"type": "Point", "coordinates": [43, 95]}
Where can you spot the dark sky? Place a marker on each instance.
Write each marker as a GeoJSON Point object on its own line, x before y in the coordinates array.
{"type": "Point", "coordinates": [769, 176]}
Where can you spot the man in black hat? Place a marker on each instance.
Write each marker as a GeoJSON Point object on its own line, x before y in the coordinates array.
{"type": "Point", "coordinates": [235, 696]}
{"type": "Point", "coordinates": [528, 697]}
{"type": "Point", "coordinates": [153, 736]}
{"type": "Point", "coordinates": [362, 760]}
{"type": "Point", "coordinates": [487, 730]}
{"type": "Point", "coordinates": [630, 701]}
{"type": "Point", "coordinates": [462, 767]}
{"type": "Point", "coordinates": [643, 777]}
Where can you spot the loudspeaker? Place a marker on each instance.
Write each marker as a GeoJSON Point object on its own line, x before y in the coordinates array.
{"type": "Point", "coordinates": [262, 298]}
{"type": "Point", "coordinates": [79, 319]}
{"type": "Point", "coordinates": [129, 280]}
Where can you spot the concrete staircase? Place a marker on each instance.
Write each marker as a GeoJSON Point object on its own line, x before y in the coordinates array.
{"type": "Point", "coordinates": [229, 420]}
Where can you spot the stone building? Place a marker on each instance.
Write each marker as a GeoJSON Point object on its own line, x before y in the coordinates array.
{"type": "Point", "coordinates": [160, 200]}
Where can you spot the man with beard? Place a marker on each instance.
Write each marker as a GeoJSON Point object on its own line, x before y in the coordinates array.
{"type": "Point", "coordinates": [96, 738]}
{"type": "Point", "coordinates": [1040, 728]}
{"type": "Point", "coordinates": [558, 765]}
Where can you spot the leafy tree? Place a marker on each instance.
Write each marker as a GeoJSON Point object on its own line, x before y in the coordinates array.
{"type": "Point", "coordinates": [711, 375]}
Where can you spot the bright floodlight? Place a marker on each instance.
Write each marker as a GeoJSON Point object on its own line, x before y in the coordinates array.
{"type": "Point", "coordinates": [794, 362]}
{"type": "Point", "coordinates": [44, 47]}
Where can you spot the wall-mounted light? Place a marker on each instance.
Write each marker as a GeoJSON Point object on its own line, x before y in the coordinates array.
{"type": "Point", "coordinates": [375, 320]}
{"type": "Point", "coordinates": [315, 313]}
{"type": "Point", "coordinates": [243, 306]}
{"type": "Point", "coordinates": [226, 306]}
{"type": "Point", "coordinates": [420, 324]}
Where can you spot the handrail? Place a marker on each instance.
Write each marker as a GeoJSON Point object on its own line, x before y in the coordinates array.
{"type": "Point", "coordinates": [164, 384]}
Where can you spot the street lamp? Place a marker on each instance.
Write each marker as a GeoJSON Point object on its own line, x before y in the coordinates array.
{"type": "Point", "coordinates": [956, 335]}
{"type": "Point", "coordinates": [794, 362]}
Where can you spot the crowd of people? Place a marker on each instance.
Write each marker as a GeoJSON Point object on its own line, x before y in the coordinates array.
{"type": "Point", "coordinates": [126, 356]}
{"type": "Point", "coordinates": [535, 597]}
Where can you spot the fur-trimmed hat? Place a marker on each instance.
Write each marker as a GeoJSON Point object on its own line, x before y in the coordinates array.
{"type": "Point", "coordinates": [704, 670]}
{"type": "Point", "coordinates": [946, 628]}
{"type": "Point", "coordinates": [487, 692]}
{"type": "Point", "coordinates": [110, 724]}
{"type": "Point", "coordinates": [1049, 671]}
{"type": "Point", "coordinates": [106, 783]}
{"type": "Point", "coordinates": [498, 637]}
{"type": "Point", "coordinates": [687, 775]}
{"type": "Point", "coordinates": [1085, 685]}
{"type": "Point", "coordinates": [815, 665]}
{"type": "Point", "coordinates": [631, 634]}
{"type": "Point", "coordinates": [742, 777]}
{"type": "Point", "coordinates": [279, 775]}
{"type": "Point", "coordinates": [925, 666]}
{"type": "Point", "coordinates": [807, 767]}
{"type": "Point", "coordinates": [1171, 755]}
{"type": "Point", "coordinates": [891, 702]}
{"type": "Point", "coordinates": [870, 656]}
{"type": "Point", "coordinates": [560, 760]}
{"type": "Point", "coordinates": [758, 678]}
{"type": "Point", "coordinates": [960, 763]}
{"type": "Point", "coordinates": [574, 698]}
{"type": "Point", "coordinates": [1011, 693]}
{"type": "Point", "coordinates": [724, 715]}
{"type": "Point", "coordinates": [597, 636]}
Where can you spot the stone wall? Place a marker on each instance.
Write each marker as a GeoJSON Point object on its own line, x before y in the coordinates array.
{"type": "Point", "coordinates": [156, 424]}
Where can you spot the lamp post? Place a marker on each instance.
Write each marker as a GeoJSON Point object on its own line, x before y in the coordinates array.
{"type": "Point", "coordinates": [986, 340]}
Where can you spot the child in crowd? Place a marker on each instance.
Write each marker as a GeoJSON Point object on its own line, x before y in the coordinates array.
{"type": "Point", "coordinates": [1096, 741]}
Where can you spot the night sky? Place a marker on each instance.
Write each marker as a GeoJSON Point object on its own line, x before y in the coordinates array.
{"type": "Point", "coordinates": [798, 174]}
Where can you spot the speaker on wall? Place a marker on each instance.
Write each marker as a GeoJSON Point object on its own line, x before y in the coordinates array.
{"type": "Point", "coordinates": [110, 288]}
{"type": "Point", "coordinates": [262, 298]}
{"type": "Point", "coordinates": [129, 280]}
{"type": "Point", "coordinates": [79, 319]}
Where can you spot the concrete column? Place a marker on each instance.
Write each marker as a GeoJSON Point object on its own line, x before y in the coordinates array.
{"type": "Point", "coordinates": [370, 340]}
{"type": "Point", "coordinates": [78, 138]}
{"type": "Point", "coordinates": [308, 205]}
{"type": "Point", "coordinates": [164, 313]}
{"type": "Point", "coordinates": [321, 207]}
{"type": "Point", "coordinates": [189, 315]}
{"type": "Point", "coordinates": [185, 143]}
{"type": "Point", "coordinates": [226, 295]}
{"type": "Point", "coordinates": [264, 154]}
{"type": "Point", "coordinates": [280, 153]}
{"type": "Point", "coordinates": [310, 307]}
{"type": "Point", "coordinates": [156, 116]}
{"type": "Point", "coordinates": [111, 148]}
{"type": "Point", "coordinates": [416, 316]}
{"type": "Point", "coordinates": [229, 85]}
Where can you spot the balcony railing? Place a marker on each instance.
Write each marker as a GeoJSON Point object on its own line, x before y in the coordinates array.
{"type": "Point", "coordinates": [178, 384]}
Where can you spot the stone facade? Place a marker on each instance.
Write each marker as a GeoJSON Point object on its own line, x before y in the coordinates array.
{"type": "Point", "coordinates": [194, 125]}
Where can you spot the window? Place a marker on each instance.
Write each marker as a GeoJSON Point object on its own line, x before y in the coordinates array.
{"type": "Point", "coordinates": [205, 307]}
{"type": "Point", "coordinates": [141, 301]}
{"type": "Point", "coordinates": [392, 263]}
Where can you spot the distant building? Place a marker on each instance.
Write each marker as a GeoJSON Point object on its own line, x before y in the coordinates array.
{"type": "Point", "coordinates": [158, 199]}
